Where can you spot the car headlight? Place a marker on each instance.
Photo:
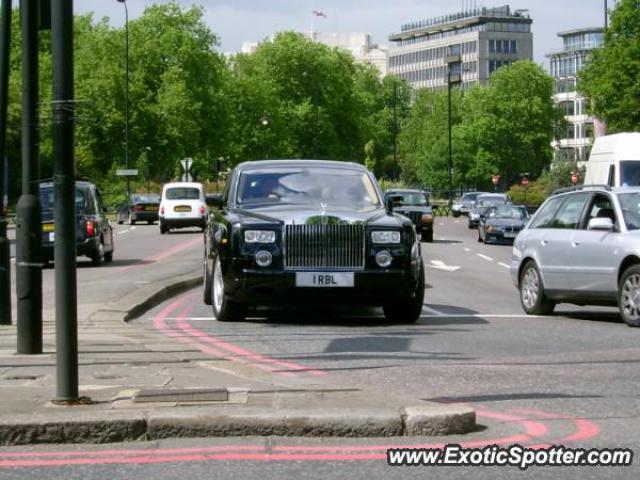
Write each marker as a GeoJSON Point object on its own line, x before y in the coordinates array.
{"type": "Point", "coordinates": [385, 237]}
{"type": "Point", "coordinates": [259, 236]}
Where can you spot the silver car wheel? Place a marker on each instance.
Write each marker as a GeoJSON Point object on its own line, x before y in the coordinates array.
{"type": "Point", "coordinates": [631, 297]}
{"type": "Point", "coordinates": [218, 286]}
{"type": "Point", "coordinates": [530, 288]}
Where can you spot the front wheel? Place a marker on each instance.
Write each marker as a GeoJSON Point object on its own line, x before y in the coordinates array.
{"type": "Point", "coordinates": [427, 236]}
{"type": "Point", "coordinates": [98, 257]}
{"type": "Point", "coordinates": [629, 296]}
{"type": "Point", "coordinates": [163, 228]}
{"type": "Point", "coordinates": [407, 310]}
{"type": "Point", "coordinates": [532, 295]}
{"type": "Point", "coordinates": [224, 309]}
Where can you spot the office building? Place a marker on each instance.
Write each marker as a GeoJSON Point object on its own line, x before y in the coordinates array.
{"type": "Point", "coordinates": [463, 48]}
{"type": "Point", "coordinates": [565, 65]}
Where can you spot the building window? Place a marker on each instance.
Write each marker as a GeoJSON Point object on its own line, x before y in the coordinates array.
{"type": "Point", "coordinates": [513, 47]}
{"type": "Point", "coordinates": [492, 46]}
{"type": "Point", "coordinates": [568, 108]}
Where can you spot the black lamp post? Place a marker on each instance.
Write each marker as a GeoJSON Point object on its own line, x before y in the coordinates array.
{"type": "Point", "coordinates": [126, 101]}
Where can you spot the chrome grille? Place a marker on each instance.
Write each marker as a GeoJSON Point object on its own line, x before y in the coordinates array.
{"type": "Point", "coordinates": [324, 247]}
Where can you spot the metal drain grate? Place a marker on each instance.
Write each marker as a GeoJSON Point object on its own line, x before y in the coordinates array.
{"type": "Point", "coordinates": [184, 395]}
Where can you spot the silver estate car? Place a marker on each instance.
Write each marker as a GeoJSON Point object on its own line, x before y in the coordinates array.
{"type": "Point", "coordinates": [581, 247]}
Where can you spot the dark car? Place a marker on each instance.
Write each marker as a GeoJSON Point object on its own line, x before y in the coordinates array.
{"type": "Point", "coordinates": [502, 223]}
{"type": "Point", "coordinates": [483, 202]}
{"type": "Point", "coordinates": [415, 205]}
{"type": "Point", "coordinates": [94, 235]}
{"type": "Point", "coordinates": [141, 207]}
{"type": "Point", "coordinates": [309, 231]}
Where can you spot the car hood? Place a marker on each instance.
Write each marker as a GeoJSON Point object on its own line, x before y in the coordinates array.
{"type": "Point", "coordinates": [308, 215]}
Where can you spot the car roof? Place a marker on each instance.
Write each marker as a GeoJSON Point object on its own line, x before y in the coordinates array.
{"type": "Point", "coordinates": [493, 195]}
{"type": "Point", "coordinates": [260, 164]}
{"type": "Point", "coordinates": [79, 183]}
{"type": "Point", "coordinates": [183, 184]}
{"type": "Point", "coordinates": [404, 190]}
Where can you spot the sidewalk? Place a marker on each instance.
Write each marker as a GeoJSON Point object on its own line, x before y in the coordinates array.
{"type": "Point", "coordinates": [143, 385]}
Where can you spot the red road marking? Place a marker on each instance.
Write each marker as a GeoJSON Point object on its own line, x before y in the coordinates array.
{"type": "Point", "coordinates": [585, 429]}
{"type": "Point", "coordinates": [162, 255]}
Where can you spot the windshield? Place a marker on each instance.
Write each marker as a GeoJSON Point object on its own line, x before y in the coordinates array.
{"type": "Point", "coordinates": [307, 186]}
{"type": "Point", "coordinates": [412, 199]}
{"type": "Point", "coordinates": [469, 197]}
{"type": "Point", "coordinates": [492, 200]}
{"type": "Point", "coordinates": [630, 173]}
{"type": "Point", "coordinates": [630, 204]}
{"type": "Point", "coordinates": [146, 199]}
{"type": "Point", "coordinates": [182, 193]}
{"type": "Point", "coordinates": [47, 199]}
{"type": "Point", "coordinates": [510, 212]}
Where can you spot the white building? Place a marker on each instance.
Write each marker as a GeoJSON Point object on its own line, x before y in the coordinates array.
{"type": "Point", "coordinates": [565, 66]}
{"type": "Point", "coordinates": [464, 48]}
{"type": "Point", "coordinates": [360, 45]}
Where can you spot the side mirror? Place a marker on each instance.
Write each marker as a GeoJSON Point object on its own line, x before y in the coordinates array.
{"type": "Point", "coordinates": [604, 224]}
{"type": "Point", "coordinates": [214, 200]}
{"type": "Point", "coordinates": [394, 201]}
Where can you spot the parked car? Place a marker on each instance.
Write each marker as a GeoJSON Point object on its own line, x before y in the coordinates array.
{"type": "Point", "coordinates": [415, 205]}
{"type": "Point", "coordinates": [94, 235]}
{"type": "Point", "coordinates": [582, 247]}
{"type": "Point", "coordinates": [140, 207]}
{"type": "Point", "coordinates": [483, 202]}
{"type": "Point", "coordinates": [309, 231]}
{"type": "Point", "coordinates": [182, 205]}
{"type": "Point", "coordinates": [465, 203]}
{"type": "Point", "coordinates": [502, 223]}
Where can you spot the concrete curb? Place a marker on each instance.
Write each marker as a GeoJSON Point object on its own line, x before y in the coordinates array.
{"type": "Point", "coordinates": [144, 299]}
{"type": "Point", "coordinates": [96, 427]}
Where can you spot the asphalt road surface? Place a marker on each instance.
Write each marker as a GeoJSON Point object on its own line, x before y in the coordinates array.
{"type": "Point", "coordinates": [570, 379]}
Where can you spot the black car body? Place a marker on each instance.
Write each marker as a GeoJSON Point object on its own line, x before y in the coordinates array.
{"type": "Point", "coordinates": [94, 235]}
{"type": "Point", "coordinates": [303, 231]}
{"type": "Point", "coordinates": [415, 205]}
{"type": "Point", "coordinates": [483, 203]}
{"type": "Point", "coordinates": [502, 223]}
{"type": "Point", "coordinates": [141, 207]}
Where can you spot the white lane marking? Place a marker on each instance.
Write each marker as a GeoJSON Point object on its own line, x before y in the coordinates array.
{"type": "Point", "coordinates": [123, 232]}
{"type": "Point", "coordinates": [457, 221]}
{"type": "Point", "coordinates": [133, 228]}
{"type": "Point", "coordinates": [440, 265]}
{"type": "Point", "coordinates": [432, 311]}
{"type": "Point", "coordinates": [489, 259]}
{"type": "Point", "coordinates": [504, 265]}
{"type": "Point", "coordinates": [13, 260]}
{"type": "Point", "coordinates": [467, 249]}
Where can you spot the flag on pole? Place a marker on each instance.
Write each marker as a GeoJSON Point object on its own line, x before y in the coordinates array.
{"type": "Point", "coordinates": [318, 13]}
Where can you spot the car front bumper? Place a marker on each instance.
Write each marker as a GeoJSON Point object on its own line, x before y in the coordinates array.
{"type": "Point", "coordinates": [371, 287]}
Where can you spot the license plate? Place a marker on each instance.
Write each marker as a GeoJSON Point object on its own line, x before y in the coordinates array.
{"type": "Point", "coordinates": [151, 209]}
{"type": "Point", "coordinates": [48, 227]}
{"type": "Point", "coordinates": [52, 237]}
{"type": "Point", "coordinates": [182, 209]}
{"type": "Point", "coordinates": [325, 279]}
{"type": "Point", "coordinates": [510, 235]}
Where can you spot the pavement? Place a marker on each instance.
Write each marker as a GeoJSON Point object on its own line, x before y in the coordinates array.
{"type": "Point", "coordinates": [137, 384]}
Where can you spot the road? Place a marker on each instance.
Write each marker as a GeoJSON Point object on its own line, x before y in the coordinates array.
{"type": "Point", "coordinates": [570, 378]}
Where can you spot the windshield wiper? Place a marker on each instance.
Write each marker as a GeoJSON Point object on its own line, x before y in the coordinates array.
{"type": "Point", "coordinates": [259, 216]}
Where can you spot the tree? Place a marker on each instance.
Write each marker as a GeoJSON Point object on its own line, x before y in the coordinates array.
{"type": "Point", "coordinates": [610, 78]}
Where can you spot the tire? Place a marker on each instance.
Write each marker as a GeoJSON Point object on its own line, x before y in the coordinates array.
{"type": "Point", "coordinates": [456, 214]}
{"type": "Point", "coordinates": [532, 295]}
{"type": "Point", "coordinates": [629, 296]}
{"type": "Point", "coordinates": [206, 291]}
{"type": "Point", "coordinates": [480, 239]}
{"type": "Point", "coordinates": [224, 309]}
{"type": "Point", "coordinates": [98, 257]}
{"type": "Point", "coordinates": [163, 228]}
{"type": "Point", "coordinates": [108, 257]}
{"type": "Point", "coordinates": [149, 222]}
{"type": "Point", "coordinates": [427, 236]}
{"type": "Point", "coordinates": [131, 221]}
{"type": "Point", "coordinates": [407, 310]}
{"type": "Point", "coordinates": [469, 225]}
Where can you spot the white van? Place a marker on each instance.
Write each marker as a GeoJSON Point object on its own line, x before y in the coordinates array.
{"type": "Point", "coordinates": [615, 161]}
{"type": "Point", "coordinates": [182, 205]}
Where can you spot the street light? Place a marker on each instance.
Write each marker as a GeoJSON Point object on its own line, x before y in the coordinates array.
{"type": "Point", "coordinates": [453, 59]}
{"type": "Point", "coordinates": [126, 101]}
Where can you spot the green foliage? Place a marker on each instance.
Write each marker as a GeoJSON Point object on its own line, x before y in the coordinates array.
{"type": "Point", "coordinates": [610, 79]}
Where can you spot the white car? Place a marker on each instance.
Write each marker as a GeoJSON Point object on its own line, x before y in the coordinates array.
{"type": "Point", "coordinates": [182, 205]}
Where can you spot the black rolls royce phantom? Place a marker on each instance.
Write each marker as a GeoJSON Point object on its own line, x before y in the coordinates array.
{"type": "Point", "coordinates": [288, 231]}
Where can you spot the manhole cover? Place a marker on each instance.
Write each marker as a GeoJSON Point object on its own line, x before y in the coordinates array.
{"type": "Point", "coordinates": [186, 395]}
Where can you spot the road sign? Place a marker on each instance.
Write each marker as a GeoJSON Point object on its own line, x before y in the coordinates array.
{"type": "Point", "coordinates": [186, 164]}
{"type": "Point", "coordinates": [524, 181]}
{"type": "Point", "coordinates": [127, 172]}
{"type": "Point", "coordinates": [495, 179]}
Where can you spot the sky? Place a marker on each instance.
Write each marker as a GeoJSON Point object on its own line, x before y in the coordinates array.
{"type": "Point", "coordinates": [238, 21]}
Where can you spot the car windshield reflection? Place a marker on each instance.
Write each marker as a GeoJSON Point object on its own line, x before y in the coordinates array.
{"type": "Point", "coordinates": [630, 203]}
{"type": "Point", "coordinates": [307, 186]}
{"type": "Point", "coordinates": [508, 212]}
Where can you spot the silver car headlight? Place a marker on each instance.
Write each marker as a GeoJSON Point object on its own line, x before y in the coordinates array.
{"type": "Point", "coordinates": [385, 237]}
{"type": "Point", "coordinates": [259, 236]}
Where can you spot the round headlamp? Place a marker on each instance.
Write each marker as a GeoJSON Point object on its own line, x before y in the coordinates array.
{"type": "Point", "coordinates": [384, 259]}
{"type": "Point", "coordinates": [264, 258]}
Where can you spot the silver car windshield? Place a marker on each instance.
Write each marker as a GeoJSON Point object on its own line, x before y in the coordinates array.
{"type": "Point", "coordinates": [413, 199]}
{"type": "Point", "coordinates": [307, 186]}
{"type": "Point", "coordinates": [630, 204]}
